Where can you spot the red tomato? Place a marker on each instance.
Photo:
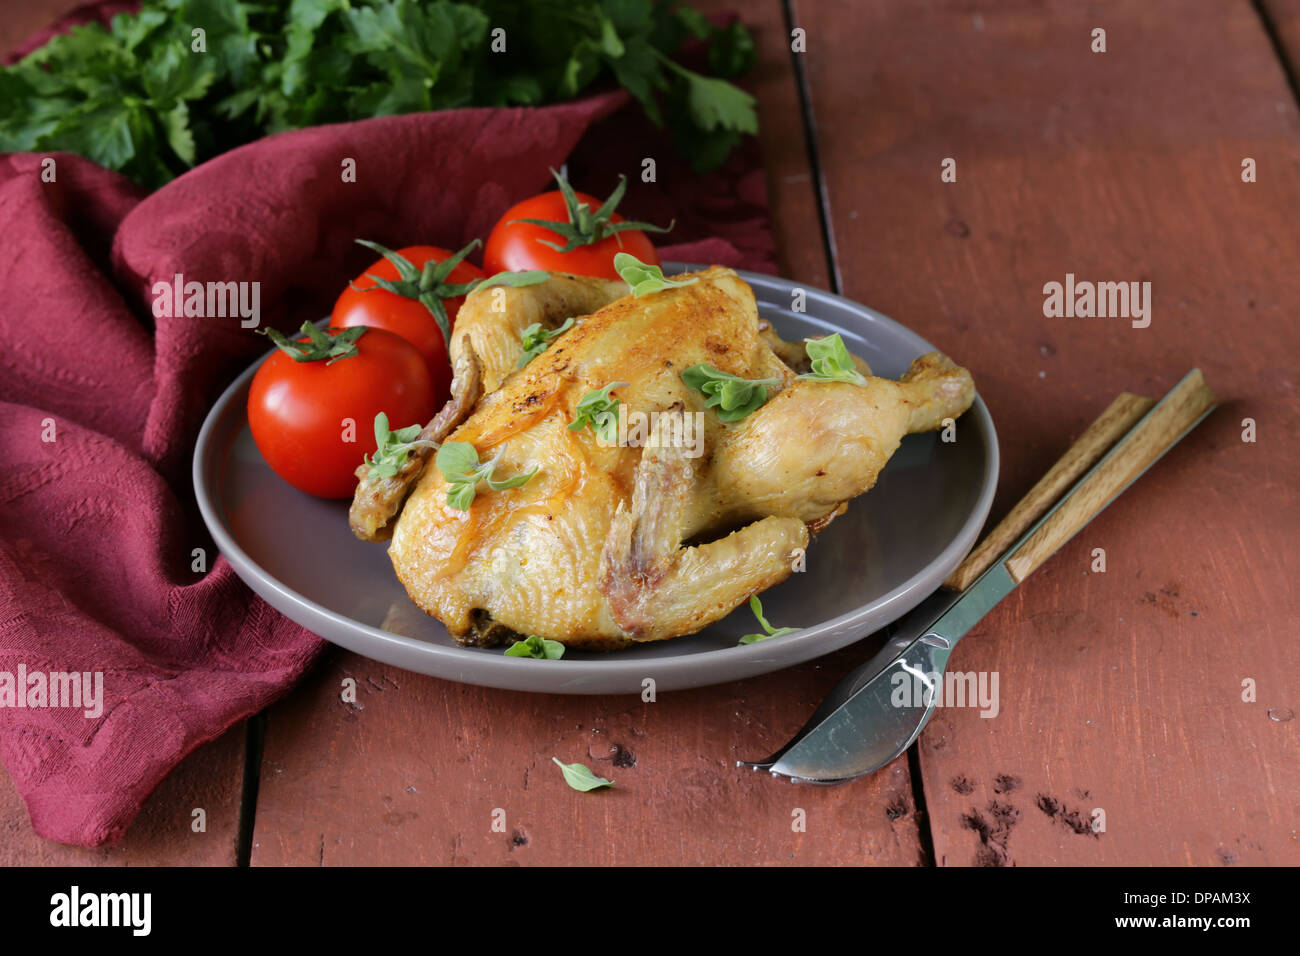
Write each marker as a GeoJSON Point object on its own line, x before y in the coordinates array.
{"type": "Point", "coordinates": [298, 411]}
{"type": "Point", "coordinates": [513, 246]}
{"type": "Point", "coordinates": [409, 318]}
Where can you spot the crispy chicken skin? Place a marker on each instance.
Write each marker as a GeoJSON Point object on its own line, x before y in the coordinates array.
{"type": "Point", "coordinates": [610, 545]}
{"type": "Point", "coordinates": [485, 348]}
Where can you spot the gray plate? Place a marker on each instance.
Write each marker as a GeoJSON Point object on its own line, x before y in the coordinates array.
{"type": "Point", "coordinates": [895, 545]}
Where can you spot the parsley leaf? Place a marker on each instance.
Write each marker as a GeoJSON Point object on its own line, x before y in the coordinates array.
{"type": "Point", "coordinates": [136, 97]}
{"type": "Point", "coordinates": [733, 397]}
{"type": "Point", "coordinates": [831, 361]}
{"type": "Point", "coordinates": [536, 340]}
{"type": "Point", "coordinates": [598, 410]}
{"type": "Point", "coordinates": [579, 776]}
{"type": "Point", "coordinates": [459, 464]}
{"type": "Point", "coordinates": [756, 606]}
{"type": "Point", "coordinates": [643, 277]}
{"type": "Point", "coordinates": [537, 647]}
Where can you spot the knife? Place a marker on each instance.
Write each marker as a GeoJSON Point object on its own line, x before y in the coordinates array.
{"type": "Point", "coordinates": [860, 727]}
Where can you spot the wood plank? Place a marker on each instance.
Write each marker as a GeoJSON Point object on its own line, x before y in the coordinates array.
{"type": "Point", "coordinates": [162, 835]}
{"type": "Point", "coordinates": [412, 773]}
{"type": "Point", "coordinates": [1119, 690]}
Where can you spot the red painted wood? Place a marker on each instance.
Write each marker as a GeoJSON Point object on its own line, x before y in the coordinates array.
{"type": "Point", "coordinates": [1120, 691]}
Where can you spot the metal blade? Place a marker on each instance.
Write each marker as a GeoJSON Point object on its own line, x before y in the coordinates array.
{"type": "Point", "coordinates": [877, 722]}
{"type": "Point", "coordinates": [900, 635]}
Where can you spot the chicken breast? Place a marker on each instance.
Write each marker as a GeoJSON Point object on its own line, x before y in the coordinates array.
{"type": "Point", "coordinates": [672, 526]}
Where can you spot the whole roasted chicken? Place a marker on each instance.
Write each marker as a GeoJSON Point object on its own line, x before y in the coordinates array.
{"type": "Point", "coordinates": [655, 517]}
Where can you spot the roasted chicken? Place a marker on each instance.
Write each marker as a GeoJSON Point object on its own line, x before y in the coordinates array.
{"type": "Point", "coordinates": [668, 528]}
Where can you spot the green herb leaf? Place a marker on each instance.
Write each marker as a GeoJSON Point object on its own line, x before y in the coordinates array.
{"type": "Point", "coordinates": [579, 776]}
{"type": "Point", "coordinates": [332, 346]}
{"type": "Point", "coordinates": [112, 94]}
{"type": "Point", "coordinates": [643, 277]}
{"type": "Point", "coordinates": [597, 409]}
{"type": "Point", "coordinates": [756, 606]}
{"type": "Point", "coordinates": [537, 647]}
{"type": "Point", "coordinates": [732, 396]}
{"type": "Point", "coordinates": [831, 361]}
{"type": "Point", "coordinates": [536, 340]}
{"type": "Point", "coordinates": [459, 464]}
{"type": "Point", "coordinates": [457, 460]}
{"type": "Point", "coordinates": [393, 447]}
{"type": "Point", "coordinates": [514, 280]}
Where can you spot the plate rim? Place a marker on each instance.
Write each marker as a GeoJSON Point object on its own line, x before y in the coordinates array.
{"type": "Point", "coordinates": [582, 676]}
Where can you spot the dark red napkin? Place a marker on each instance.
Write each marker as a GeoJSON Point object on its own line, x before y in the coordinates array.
{"type": "Point", "coordinates": [100, 403]}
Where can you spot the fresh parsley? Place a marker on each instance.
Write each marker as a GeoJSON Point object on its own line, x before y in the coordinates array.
{"type": "Point", "coordinates": [756, 606]}
{"type": "Point", "coordinates": [536, 340]}
{"type": "Point", "coordinates": [732, 396]}
{"type": "Point", "coordinates": [598, 410]}
{"type": "Point", "coordinates": [537, 647]}
{"type": "Point", "coordinates": [459, 464]}
{"type": "Point", "coordinates": [579, 776]}
{"type": "Point", "coordinates": [831, 361]}
{"type": "Point", "coordinates": [392, 447]}
{"type": "Point", "coordinates": [643, 277]}
{"type": "Point", "coordinates": [136, 96]}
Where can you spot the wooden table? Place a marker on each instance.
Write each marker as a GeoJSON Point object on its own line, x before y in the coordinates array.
{"type": "Point", "coordinates": [1120, 691]}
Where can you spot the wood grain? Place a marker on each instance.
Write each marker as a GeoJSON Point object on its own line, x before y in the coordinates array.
{"type": "Point", "coordinates": [412, 774]}
{"type": "Point", "coordinates": [1119, 690]}
{"type": "Point", "coordinates": [414, 771]}
{"type": "Point", "coordinates": [1099, 437]}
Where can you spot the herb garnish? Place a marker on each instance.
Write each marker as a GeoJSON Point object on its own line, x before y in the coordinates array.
{"type": "Point", "coordinates": [831, 361]}
{"type": "Point", "coordinates": [579, 776]}
{"type": "Point", "coordinates": [393, 447]}
{"type": "Point", "coordinates": [536, 340]}
{"type": "Point", "coordinates": [756, 606]}
{"type": "Point", "coordinates": [643, 277]}
{"type": "Point", "coordinates": [459, 464]}
{"type": "Point", "coordinates": [599, 411]}
{"type": "Point", "coordinates": [733, 397]}
{"type": "Point", "coordinates": [538, 647]}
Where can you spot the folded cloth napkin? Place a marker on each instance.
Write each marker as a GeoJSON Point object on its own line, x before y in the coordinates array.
{"type": "Point", "coordinates": [105, 567]}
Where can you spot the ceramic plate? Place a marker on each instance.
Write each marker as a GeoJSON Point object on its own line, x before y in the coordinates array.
{"type": "Point", "coordinates": [894, 546]}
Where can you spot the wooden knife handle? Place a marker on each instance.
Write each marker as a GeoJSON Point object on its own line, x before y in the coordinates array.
{"type": "Point", "coordinates": [1178, 411]}
{"type": "Point", "coordinates": [1111, 425]}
